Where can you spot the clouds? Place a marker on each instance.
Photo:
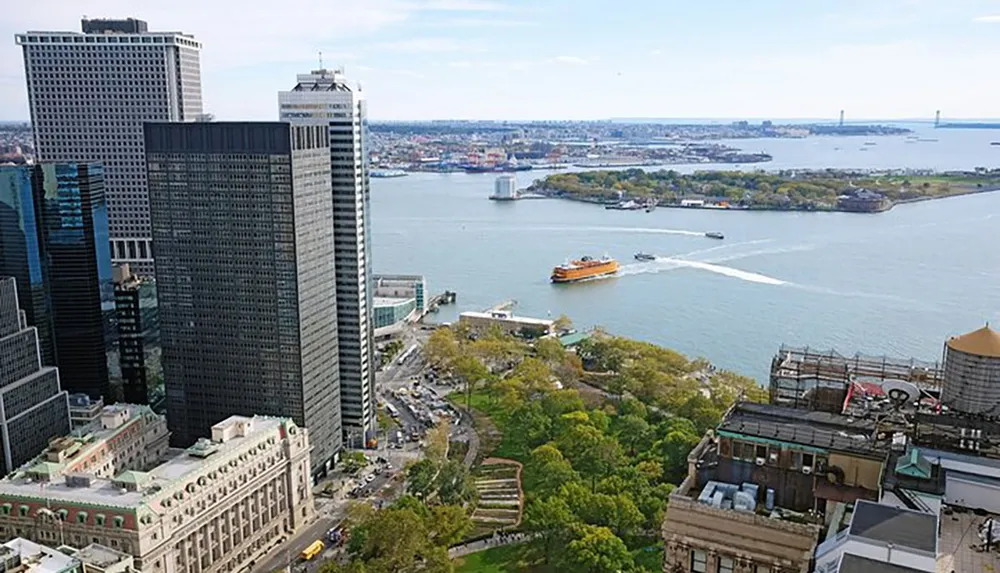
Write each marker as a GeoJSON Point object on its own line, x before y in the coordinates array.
{"type": "Point", "coordinates": [990, 19]}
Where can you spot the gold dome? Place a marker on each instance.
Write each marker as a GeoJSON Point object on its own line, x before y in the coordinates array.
{"type": "Point", "coordinates": [982, 342]}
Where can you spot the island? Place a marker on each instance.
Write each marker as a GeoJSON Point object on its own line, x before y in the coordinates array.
{"type": "Point", "coordinates": [857, 191]}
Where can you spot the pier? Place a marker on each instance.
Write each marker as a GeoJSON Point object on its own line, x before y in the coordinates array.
{"type": "Point", "coordinates": [447, 297]}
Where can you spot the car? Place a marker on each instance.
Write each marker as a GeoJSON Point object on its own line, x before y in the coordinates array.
{"type": "Point", "coordinates": [388, 467]}
{"type": "Point", "coordinates": [369, 478]}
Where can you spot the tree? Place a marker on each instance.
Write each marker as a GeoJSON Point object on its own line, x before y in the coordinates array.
{"type": "Point", "coordinates": [547, 471]}
{"type": "Point", "coordinates": [552, 520]}
{"type": "Point", "coordinates": [632, 432]}
{"type": "Point", "coordinates": [454, 485]}
{"type": "Point", "coordinates": [393, 539]}
{"type": "Point", "coordinates": [441, 347]}
{"type": "Point", "coordinates": [420, 477]}
{"type": "Point", "coordinates": [528, 427]}
{"type": "Point", "coordinates": [448, 524]}
{"type": "Point", "coordinates": [598, 550]}
{"type": "Point", "coordinates": [436, 440]}
{"type": "Point", "coordinates": [562, 324]}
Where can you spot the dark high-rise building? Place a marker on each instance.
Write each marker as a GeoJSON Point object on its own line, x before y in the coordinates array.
{"type": "Point", "coordinates": [54, 238]}
{"type": "Point", "coordinates": [138, 318]}
{"type": "Point", "coordinates": [34, 407]}
{"type": "Point", "coordinates": [245, 276]}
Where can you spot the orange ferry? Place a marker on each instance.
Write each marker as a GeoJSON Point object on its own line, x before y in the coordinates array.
{"type": "Point", "coordinates": [584, 268]}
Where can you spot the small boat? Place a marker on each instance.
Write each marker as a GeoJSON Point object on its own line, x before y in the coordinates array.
{"type": "Point", "coordinates": [995, 143]}
{"type": "Point", "coordinates": [715, 235]}
{"type": "Point", "coordinates": [644, 257]}
{"type": "Point", "coordinates": [870, 143]}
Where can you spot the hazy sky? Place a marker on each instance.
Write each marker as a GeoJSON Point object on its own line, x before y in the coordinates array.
{"type": "Point", "coordinates": [574, 59]}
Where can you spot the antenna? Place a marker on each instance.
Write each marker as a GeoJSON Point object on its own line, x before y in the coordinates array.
{"type": "Point", "coordinates": [321, 59]}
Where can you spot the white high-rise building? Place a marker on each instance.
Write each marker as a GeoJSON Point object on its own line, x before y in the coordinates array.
{"type": "Point", "coordinates": [325, 96]}
{"type": "Point", "coordinates": [89, 94]}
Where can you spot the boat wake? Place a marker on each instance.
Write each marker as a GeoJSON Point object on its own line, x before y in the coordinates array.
{"type": "Point", "coordinates": [668, 263]}
{"type": "Point", "coordinates": [775, 251]}
{"type": "Point", "coordinates": [640, 230]}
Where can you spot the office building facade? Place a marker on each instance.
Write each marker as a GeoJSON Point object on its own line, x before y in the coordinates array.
{"type": "Point", "coordinates": [54, 238]}
{"type": "Point", "coordinates": [324, 97]}
{"type": "Point", "coordinates": [138, 349]}
{"type": "Point", "coordinates": [245, 276]}
{"type": "Point", "coordinates": [34, 407]}
{"type": "Point", "coordinates": [89, 94]}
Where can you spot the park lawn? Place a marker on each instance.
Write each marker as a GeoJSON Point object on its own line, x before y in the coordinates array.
{"type": "Point", "coordinates": [483, 405]}
{"type": "Point", "coordinates": [504, 559]}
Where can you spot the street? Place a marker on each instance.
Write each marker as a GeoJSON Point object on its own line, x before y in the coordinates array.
{"type": "Point", "coordinates": [332, 493]}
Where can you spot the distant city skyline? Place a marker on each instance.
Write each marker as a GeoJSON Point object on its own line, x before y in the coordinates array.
{"type": "Point", "coordinates": [519, 60]}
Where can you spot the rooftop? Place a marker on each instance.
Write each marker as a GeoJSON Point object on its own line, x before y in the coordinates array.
{"type": "Point", "coordinates": [38, 558]}
{"type": "Point", "coordinates": [851, 563]}
{"type": "Point", "coordinates": [147, 485]}
{"type": "Point", "coordinates": [101, 556]}
{"type": "Point", "coordinates": [982, 342]}
{"type": "Point", "coordinates": [390, 300]}
{"type": "Point", "coordinates": [501, 315]}
{"type": "Point", "coordinates": [900, 527]}
{"type": "Point", "coordinates": [956, 551]}
{"type": "Point", "coordinates": [821, 430]}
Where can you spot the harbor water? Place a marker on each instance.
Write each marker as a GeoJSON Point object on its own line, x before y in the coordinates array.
{"type": "Point", "coordinates": [895, 283]}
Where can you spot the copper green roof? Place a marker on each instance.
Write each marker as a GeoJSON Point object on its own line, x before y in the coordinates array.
{"type": "Point", "coordinates": [130, 476]}
{"type": "Point", "coordinates": [573, 339]}
{"type": "Point", "coordinates": [914, 465]}
{"type": "Point", "coordinates": [46, 468]}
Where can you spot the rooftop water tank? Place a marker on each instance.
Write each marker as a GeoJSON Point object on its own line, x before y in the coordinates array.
{"type": "Point", "coordinates": [972, 373]}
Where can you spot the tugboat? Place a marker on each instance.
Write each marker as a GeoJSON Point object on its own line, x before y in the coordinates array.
{"type": "Point", "coordinates": [644, 257]}
{"type": "Point", "coordinates": [715, 235]}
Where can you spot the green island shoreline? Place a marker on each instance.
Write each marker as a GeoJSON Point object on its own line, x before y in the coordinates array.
{"type": "Point", "coordinates": [826, 190]}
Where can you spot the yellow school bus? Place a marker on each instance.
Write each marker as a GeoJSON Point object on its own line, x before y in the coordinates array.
{"type": "Point", "coordinates": [314, 549]}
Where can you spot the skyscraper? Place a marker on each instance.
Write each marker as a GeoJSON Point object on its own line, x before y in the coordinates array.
{"type": "Point", "coordinates": [35, 408]}
{"type": "Point", "coordinates": [54, 238]}
{"type": "Point", "coordinates": [245, 276]}
{"type": "Point", "coordinates": [89, 94]}
{"type": "Point", "coordinates": [325, 97]}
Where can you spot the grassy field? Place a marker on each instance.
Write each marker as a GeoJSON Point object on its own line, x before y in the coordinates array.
{"type": "Point", "coordinates": [504, 559]}
{"type": "Point", "coordinates": [520, 559]}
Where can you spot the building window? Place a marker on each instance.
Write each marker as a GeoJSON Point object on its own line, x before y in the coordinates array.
{"type": "Point", "coordinates": [725, 565]}
{"type": "Point", "coordinates": [699, 561]}
{"type": "Point", "coordinates": [100, 518]}
{"type": "Point", "coordinates": [23, 511]}
{"type": "Point", "coordinates": [808, 460]}
{"type": "Point", "coordinates": [81, 517]}
{"type": "Point", "coordinates": [762, 452]}
{"type": "Point", "coordinates": [119, 521]}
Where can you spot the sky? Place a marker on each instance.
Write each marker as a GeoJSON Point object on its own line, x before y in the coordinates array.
{"type": "Point", "coordinates": [573, 59]}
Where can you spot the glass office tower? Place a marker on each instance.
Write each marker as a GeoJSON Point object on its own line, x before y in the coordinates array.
{"type": "Point", "coordinates": [54, 238]}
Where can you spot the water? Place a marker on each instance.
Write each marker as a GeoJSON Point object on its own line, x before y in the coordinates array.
{"type": "Point", "coordinates": [896, 283]}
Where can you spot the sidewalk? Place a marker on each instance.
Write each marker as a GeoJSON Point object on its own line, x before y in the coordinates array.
{"type": "Point", "coordinates": [497, 540]}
